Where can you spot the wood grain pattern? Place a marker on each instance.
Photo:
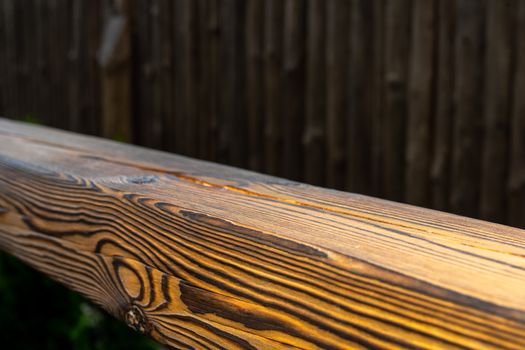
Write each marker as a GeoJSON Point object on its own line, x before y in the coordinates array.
{"type": "Point", "coordinates": [204, 256]}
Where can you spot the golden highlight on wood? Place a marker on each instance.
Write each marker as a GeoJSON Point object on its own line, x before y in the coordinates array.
{"type": "Point", "coordinates": [204, 256]}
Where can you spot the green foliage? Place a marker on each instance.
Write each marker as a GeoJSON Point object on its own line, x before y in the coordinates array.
{"type": "Point", "coordinates": [119, 136]}
{"type": "Point", "coordinates": [38, 313]}
{"type": "Point", "coordinates": [30, 118]}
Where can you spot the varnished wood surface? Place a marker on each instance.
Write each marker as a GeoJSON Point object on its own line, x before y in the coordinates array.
{"type": "Point", "coordinates": [204, 256]}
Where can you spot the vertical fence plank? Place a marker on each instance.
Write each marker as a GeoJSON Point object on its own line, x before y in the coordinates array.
{"type": "Point", "coordinates": [227, 82]}
{"type": "Point", "coordinates": [204, 88]}
{"type": "Point", "coordinates": [170, 79]}
{"type": "Point", "coordinates": [165, 68]}
{"type": "Point", "coordinates": [254, 82]}
{"type": "Point", "coordinates": [517, 162]}
{"type": "Point", "coordinates": [468, 119]}
{"type": "Point", "coordinates": [232, 140]}
{"type": "Point", "coordinates": [209, 36]}
{"type": "Point", "coordinates": [10, 58]}
{"type": "Point", "coordinates": [63, 25]}
{"type": "Point", "coordinates": [420, 87]}
{"type": "Point", "coordinates": [499, 31]}
{"type": "Point", "coordinates": [191, 76]}
{"type": "Point", "coordinates": [294, 47]}
{"type": "Point", "coordinates": [156, 119]}
{"type": "Point", "coordinates": [49, 52]}
{"type": "Point", "coordinates": [19, 81]}
{"type": "Point", "coordinates": [83, 113]}
{"type": "Point", "coordinates": [315, 95]}
{"type": "Point", "coordinates": [362, 95]}
{"type": "Point", "coordinates": [3, 64]}
{"type": "Point", "coordinates": [140, 34]}
{"type": "Point", "coordinates": [168, 59]}
{"type": "Point", "coordinates": [182, 110]}
{"type": "Point", "coordinates": [273, 27]}
{"type": "Point", "coordinates": [213, 28]}
{"type": "Point", "coordinates": [25, 57]}
{"type": "Point", "coordinates": [43, 69]}
{"type": "Point", "coordinates": [75, 68]}
{"type": "Point", "coordinates": [378, 100]}
{"type": "Point", "coordinates": [91, 105]}
{"type": "Point", "coordinates": [441, 164]}
{"type": "Point", "coordinates": [55, 41]}
{"type": "Point", "coordinates": [115, 68]}
{"type": "Point", "coordinates": [337, 56]}
{"type": "Point", "coordinates": [397, 46]}
{"type": "Point", "coordinates": [155, 113]}
{"type": "Point", "coordinates": [150, 90]}
{"type": "Point", "coordinates": [34, 69]}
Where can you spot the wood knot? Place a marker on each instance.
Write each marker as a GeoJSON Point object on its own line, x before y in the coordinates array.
{"type": "Point", "coordinates": [142, 179]}
{"type": "Point", "coordinates": [136, 319]}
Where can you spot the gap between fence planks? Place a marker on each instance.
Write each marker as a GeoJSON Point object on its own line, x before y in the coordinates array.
{"type": "Point", "coordinates": [199, 255]}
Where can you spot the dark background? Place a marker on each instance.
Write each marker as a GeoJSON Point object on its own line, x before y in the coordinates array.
{"type": "Point", "coordinates": [414, 101]}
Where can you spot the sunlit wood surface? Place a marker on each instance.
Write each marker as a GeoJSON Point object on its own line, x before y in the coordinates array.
{"type": "Point", "coordinates": [203, 256]}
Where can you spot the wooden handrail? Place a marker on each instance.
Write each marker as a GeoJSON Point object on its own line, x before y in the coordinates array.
{"type": "Point", "coordinates": [200, 255]}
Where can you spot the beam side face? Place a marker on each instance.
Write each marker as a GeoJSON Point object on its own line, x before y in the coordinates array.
{"type": "Point", "coordinates": [202, 255]}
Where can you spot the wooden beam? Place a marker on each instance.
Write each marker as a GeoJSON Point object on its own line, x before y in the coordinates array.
{"type": "Point", "coordinates": [199, 255]}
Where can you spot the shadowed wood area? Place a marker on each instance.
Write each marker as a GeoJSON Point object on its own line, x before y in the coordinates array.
{"type": "Point", "coordinates": [203, 256]}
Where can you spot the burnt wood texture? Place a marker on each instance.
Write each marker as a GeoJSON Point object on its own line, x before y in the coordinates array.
{"type": "Point", "coordinates": [204, 256]}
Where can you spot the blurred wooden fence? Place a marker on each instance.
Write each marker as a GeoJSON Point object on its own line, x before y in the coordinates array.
{"type": "Point", "coordinates": [416, 101]}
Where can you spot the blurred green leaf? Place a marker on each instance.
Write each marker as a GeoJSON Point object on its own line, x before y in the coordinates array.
{"type": "Point", "coordinates": [29, 118]}
{"type": "Point", "coordinates": [38, 313]}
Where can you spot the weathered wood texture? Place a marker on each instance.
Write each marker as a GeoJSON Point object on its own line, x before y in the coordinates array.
{"type": "Point", "coordinates": [199, 255]}
{"type": "Point", "coordinates": [416, 101]}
